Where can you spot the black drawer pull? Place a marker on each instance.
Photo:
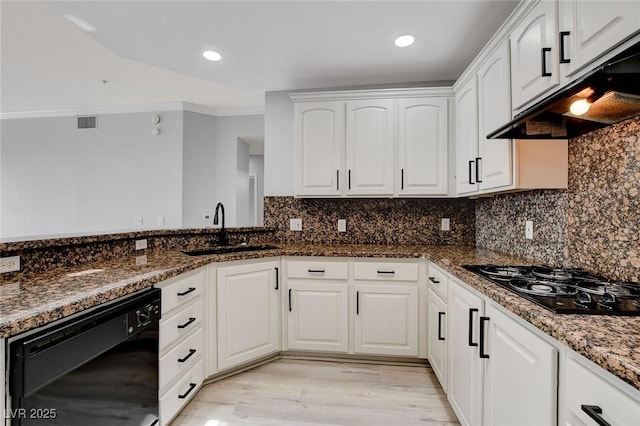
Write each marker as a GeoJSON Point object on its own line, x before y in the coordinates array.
{"type": "Point", "coordinates": [191, 319]}
{"type": "Point", "coordinates": [190, 290]}
{"type": "Point", "coordinates": [433, 280]}
{"type": "Point", "coordinates": [338, 180]}
{"type": "Point", "coordinates": [563, 34]}
{"type": "Point", "coordinates": [544, 62]}
{"type": "Point", "coordinates": [189, 355]}
{"type": "Point", "coordinates": [386, 272]}
{"type": "Point", "coordinates": [483, 320]}
{"type": "Point", "coordinates": [277, 277]}
{"type": "Point", "coordinates": [478, 180]}
{"type": "Point", "coordinates": [289, 300]}
{"type": "Point", "coordinates": [192, 386]}
{"type": "Point", "coordinates": [471, 182]}
{"type": "Point", "coordinates": [401, 178]}
{"type": "Point", "coordinates": [471, 342]}
{"type": "Point", "coordinates": [316, 271]}
{"type": "Point", "coordinates": [357, 303]}
{"type": "Point", "coordinates": [440, 315]}
{"type": "Point", "coordinates": [594, 412]}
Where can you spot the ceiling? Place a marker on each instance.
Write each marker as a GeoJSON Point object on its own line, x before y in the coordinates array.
{"type": "Point", "coordinates": [151, 51]}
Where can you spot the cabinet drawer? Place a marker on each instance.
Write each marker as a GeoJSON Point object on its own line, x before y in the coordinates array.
{"type": "Point", "coordinates": [582, 386]}
{"type": "Point", "coordinates": [385, 271]}
{"type": "Point", "coordinates": [180, 324]}
{"type": "Point", "coordinates": [180, 393]}
{"type": "Point", "coordinates": [181, 358]}
{"type": "Point", "coordinates": [438, 281]}
{"type": "Point", "coordinates": [181, 289]}
{"type": "Point", "coordinates": [317, 270]}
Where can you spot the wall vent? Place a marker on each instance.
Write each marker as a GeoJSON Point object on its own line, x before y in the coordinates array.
{"type": "Point", "coordinates": [88, 122]}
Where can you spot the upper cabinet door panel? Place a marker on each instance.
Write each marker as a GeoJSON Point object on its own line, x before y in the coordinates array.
{"type": "Point", "coordinates": [494, 102]}
{"type": "Point", "coordinates": [534, 53]}
{"type": "Point", "coordinates": [370, 147]}
{"type": "Point", "coordinates": [320, 148]}
{"type": "Point", "coordinates": [422, 139]}
{"type": "Point", "coordinates": [594, 27]}
{"type": "Point", "coordinates": [466, 103]}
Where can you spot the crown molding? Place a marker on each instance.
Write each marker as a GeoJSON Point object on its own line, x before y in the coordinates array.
{"type": "Point", "coordinates": [413, 92]}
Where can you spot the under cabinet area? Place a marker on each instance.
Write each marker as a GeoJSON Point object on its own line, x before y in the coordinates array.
{"type": "Point", "coordinates": [247, 302]}
{"type": "Point", "coordinates": [182, 341]}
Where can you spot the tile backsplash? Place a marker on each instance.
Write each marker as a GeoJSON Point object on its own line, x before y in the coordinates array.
{"type": "Point", "coordinates": [379, 221]}
{"type": "Point", "coordinates": [594, 225]}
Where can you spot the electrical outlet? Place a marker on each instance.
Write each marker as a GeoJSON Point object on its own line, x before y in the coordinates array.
{"type": "Point", "coordinates": [137, 220]}
{"type": "Point", "coordinates": [446, 224]}
{"type": "Point", "coordinates": [141, 244]}
{"type": "Point", "coordinates": [342, 225]}
{"type": "Point", "coordinates": [9, 264]}
{"type": "Point", "coordinates": [528, 229]}
{"type": "Point", "coordinates": [141, 260]}
{"type": "Point", "coordinates": [295, 224]}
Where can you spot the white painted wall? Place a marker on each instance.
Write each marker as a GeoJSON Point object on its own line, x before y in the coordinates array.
{"type": "Point", "coordinates": [243, 215]}
{"type": "Point", "coordinates": [256, 166]}
{"type": "Point", "coordinates": [60, 180]}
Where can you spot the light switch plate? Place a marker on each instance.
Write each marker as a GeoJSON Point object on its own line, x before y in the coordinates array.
{"type": "Point", "coordinates": [9, 264]}
{"type": "Point", "coordinates": [446, 224]}
{"type": "Point", "coordinates": [528, 229]}
{"type": "Point", "coordinates": [295, 224]}
{"type": "Point", "coordinates": [141, 244]}
{"type": "Point", "coordinates": [342, 225]}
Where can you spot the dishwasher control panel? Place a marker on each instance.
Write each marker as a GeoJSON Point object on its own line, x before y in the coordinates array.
{"type": "Point", "coordinates": [143, 315]}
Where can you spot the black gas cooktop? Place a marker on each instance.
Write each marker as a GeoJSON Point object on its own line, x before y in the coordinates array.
{"type": "Point", "coordinates": [565, 291]}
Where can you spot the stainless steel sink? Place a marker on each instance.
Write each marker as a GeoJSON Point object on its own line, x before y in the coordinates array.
{"type": "Point", "coordinates": [228, 249]}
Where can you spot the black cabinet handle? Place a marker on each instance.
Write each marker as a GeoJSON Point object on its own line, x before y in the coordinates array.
{"type": "Point", "coordinates": [594, 412]}
{"type": "Point", "coordinates": [433, 280]}
{"type": "Point", "coordinates": [277, 276]}
{"type": "Point", "coordinates": [186, 324]}
{"type": "Point", "coordinates": [544, 62]}
{"type": "Point", "coordinates": [189, 355]}
{"type": "Point", "coordinates": [338, 180]}
{"type": "Point", "coordinates": [349, 178]}
{"type": "Point", "coordinates": [401, 178]}
{"type": "Point", "coordinates": [386, 272]}
{"type": "Point", "coordinates": [478, 180]}
{"type": "Point", "coordinates": [190, 290]}
{"type": "Point", "coordinates": [483, 320]}
{"type": "Point", "coordinates": [471, 182]}
{"type": "Point", "coordinates": [289, 300]}
{"type": "Point", "coordinates": [440, 315]}
{"type": "Point", "coordinates": [316, 271]}
{"type": "Point", "coordinates": [471, 342]}
{"type": "Point", "coordinates": [357, 303]}
{"type": "Point", "coordinates": [563, 34]}
{"type": "Point", "coordinates": [192, 386]}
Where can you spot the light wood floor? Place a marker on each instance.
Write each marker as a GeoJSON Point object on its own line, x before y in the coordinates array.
{"type": "Point", "coordinates": [293, 392]}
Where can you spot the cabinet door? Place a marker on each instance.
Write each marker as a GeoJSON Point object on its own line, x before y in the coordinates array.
{"type": "Point", "coordinates": [370, 147]}
{"type": "Point", "coordinates": [534, 53]}
{"type": "Point", "coordinates": [437, 337]}
{"type": "Point", "coordinates": [422, 146]}
{"type": "Point", "coordinates": [465, 366]}
{"type": "Point", "coordinates": [466, 137]}
{"type": "Point", "coordinates": [593, 28]}
{"type": "Point", "coordinates": [386, 321]}
{"type": "Point", "coordinates": [515, 352]}
{"type": "Point", "coordinates": [319, 148]}
{"type": "Point", "coordinates": [318, 316]}
{"type": "Point", "coordinates": [494, 99]}
{"type": "Point", "coordinates": [248, 325]}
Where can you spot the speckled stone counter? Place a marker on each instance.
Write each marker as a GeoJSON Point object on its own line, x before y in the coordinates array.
{"type": "Point", "coordinates": [609, 341]}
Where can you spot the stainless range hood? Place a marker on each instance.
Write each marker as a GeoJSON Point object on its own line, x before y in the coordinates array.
{"type": "Point", "coordinates": [609, 94]}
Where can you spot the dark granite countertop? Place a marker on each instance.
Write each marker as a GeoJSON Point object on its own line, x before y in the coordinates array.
{"type": "Point", "coordinates": [33, 300]}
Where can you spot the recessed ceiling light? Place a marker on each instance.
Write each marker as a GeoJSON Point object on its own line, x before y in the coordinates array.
{"type": "Point", "coordinates": [80, 23]}
{"type": "Point", "coordinates": [404, 41]}
{"type": "Point", "coordinates": [211, 55]}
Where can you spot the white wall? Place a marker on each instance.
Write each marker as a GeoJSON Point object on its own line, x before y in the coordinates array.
{"type": "Point", "coordinates": [60, 180]}
{"type": "Point", "coordinates": [243, 215]}
{"type": "Point", "coordinates": [256, 166]}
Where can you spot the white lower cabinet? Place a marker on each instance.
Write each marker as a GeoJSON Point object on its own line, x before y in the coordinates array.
{"type": "Point", "coordinates": [589, 395]}
{"type": "Point", "coordinates": [437, 337]}
{"type": "Point", "coordinates": [465, 365]}
{"type": "Point", "coordinates": [247, 312]}
{"type": "Point", "coordinates": [520, 373]}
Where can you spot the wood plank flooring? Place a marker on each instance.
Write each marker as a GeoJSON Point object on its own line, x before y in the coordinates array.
{"type": "Point", "coordinates": [299, 392]}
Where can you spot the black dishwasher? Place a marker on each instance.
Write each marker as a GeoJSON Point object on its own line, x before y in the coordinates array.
{"type": "Point", "coordinates": [100, 368]}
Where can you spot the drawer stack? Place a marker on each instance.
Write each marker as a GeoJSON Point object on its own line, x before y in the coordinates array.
{"type": "Point", "coordinates": [182, 342]}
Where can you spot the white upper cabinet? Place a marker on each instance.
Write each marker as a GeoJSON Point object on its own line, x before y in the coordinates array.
{"type": "Point", "coordinates": [494, 110]}
{"type": "Point", "coordinates": [319, 148]}
{"type": "Point", "coordinates": [422, 146]}
{"type": "Point", "coordinates": [590, 28]}
{"type": "Point", "coordinates": [534, 53]}
{"type": "Point", "coordinates": [370, 147]}
{"type": "Point", "coordinates": [466, 102]}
